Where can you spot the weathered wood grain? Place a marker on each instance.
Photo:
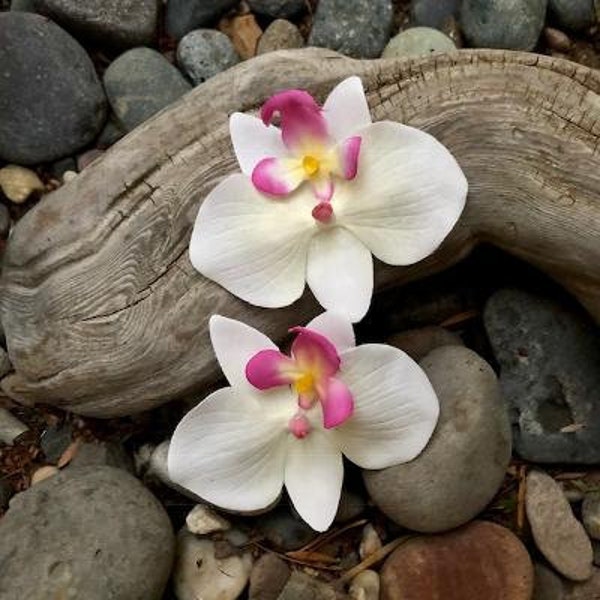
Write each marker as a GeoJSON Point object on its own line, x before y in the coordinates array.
{"type": "Point", "coordinates": [102, 311]}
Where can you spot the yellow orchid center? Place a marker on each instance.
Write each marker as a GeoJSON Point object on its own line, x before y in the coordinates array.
{"type": "Point", "coordinates": [311, 165]}
{"type": "Point", "coordinates": [305, 383]}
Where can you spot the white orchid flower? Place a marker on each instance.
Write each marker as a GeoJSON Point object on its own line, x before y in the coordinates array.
{"type": "Point", "coordinates": [288, 420]}
{"type": "Point", "coordinates": [318, 195]}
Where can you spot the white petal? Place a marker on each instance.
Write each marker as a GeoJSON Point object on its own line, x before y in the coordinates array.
{"type": "Point", "coordinates": [395, 407]}
{"type": "Point", "coordinates": [340, 273]}
{"type": "Point", "coordinates": [346, 109]}
{"type": "Point", "coordinates": [314, 473]}
{"type": "Point", "coordinates": [254, 246]}
{"type": "Point", "coordinates": [252, 141]}
{"type": "Point", "coordinates": [230, 449]}
{"type": "Point", "coordinates": [235, 343]}
{"type": "Point", "coordinates": [407, 196]}
{"type": "Point", "coordinates": [336, 328]}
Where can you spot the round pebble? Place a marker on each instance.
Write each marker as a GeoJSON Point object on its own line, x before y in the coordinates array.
{"type": "Point", "coordinates": [359, 29]}
{"type": "Point", "coordinates": [51, 101]}
{"type": "Point", "coordinates": [509, 24]}
{"type": "Point", "coordinates": [365, 586]}
{"type": "Point", "coordinates": [140, 83]}
{"type": "Point", "coordinates": [201, 520]}
{"type": "Point", "coordinates": [199, 574]}
{"type": "Point", "coordinates": [280, 35]}
{"type": "Point", "coordinates": [573, 14]}
{"type": "Point", "coordinates": [560, 537]}
{"type": "Point", "coordinates": [463, 465]}
{"type": "Point", "coordinates": [277, 9]}
{"type": "Point", "coordinates": [204, 53]}
{"type": "Point", "coordinates": [418, 41]}
{"type": "Point", "coordinates": [18, 183]}
{"type": "Point", "coordinates": [269, 576]}
{"type": "Point", "coordinates": [183, 16]}
{"type": "Point", "coordinates": [85, 533]}
{"type": "Point", "coordinates": [479, 560]}
{"type": "Point", "coordinates": [109, 23]}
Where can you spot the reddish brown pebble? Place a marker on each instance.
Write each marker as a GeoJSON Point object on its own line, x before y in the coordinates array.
{"type": "Point", "coordinates": [244, 33]}
{"type": "Point", "coordinates": [557, 40]}
{"type": "Point", "coordinates": [480, 561]}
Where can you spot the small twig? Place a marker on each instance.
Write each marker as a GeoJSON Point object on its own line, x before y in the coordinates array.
{"type": "Point", "coordinates": [521, 498]}
{"type": "Point", "coordinates": [371, 560]}
{"type": "Point", "coordinates": [461, 317]}
{"type": "Point", "coordinates": [295, 560]}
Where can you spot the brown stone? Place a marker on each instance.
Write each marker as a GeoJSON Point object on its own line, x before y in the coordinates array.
{"type": "Point", "coordinates": [280, 35]}
{"type": "Point", "coordinates": [244, 33]}
{"type": "Point", "coordinates": [268, 578]}
{"type": "Point", "coordinates": [480, 561]}
{"type": "Point", "coordinates": [560, 537]}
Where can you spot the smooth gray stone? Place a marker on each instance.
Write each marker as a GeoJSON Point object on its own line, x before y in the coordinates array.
{"type": "Point", "coordinates": [433, 13]}
{"type": "Point", "coordinates": [140, 83]}
{"type": "Point", "coordinates": [573, 14]}
{"type": "Point", "coordinates": [418, 41]}
{"type": "Point", "coordinates": [115, 24]}
{"type": "Point", "coordinates": [88, 533]}
{"type": "Point", "coordinates": [51, 101]}
{"type": "Point", "coordinates": [509, 24]}
{"type": "Point", "coordinates": [359, 29]}
{"type": "Point", "coordinates": [203, 53]}
{"type": "Point", "coordinates": [183, 16]}
{"type": "Point", "coordinates": [549, 360]}
{"type": "Point", "coordinates": [463, 465]}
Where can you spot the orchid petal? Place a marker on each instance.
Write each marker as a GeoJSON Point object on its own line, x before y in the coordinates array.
{"type": "Point", "coordinates": [340, 272]}
{"type": "Point", "coordinates": [270, 368]}
{"type": "Point", "coordinates": [234, 344]}
{"type": "Point", "coordinates": [310, 349]}
{"type": "Point", "coordinates": [314, 473]}
{"type": "Point", "coordinates": [230, 449]}
{"type": "Point", "coordinates": [395, 407]}
{"type": "Point", "coordinates": [407, 196]}
{"type": "Point", "coordinates": [252, 141]}
{"type": "Point", "coordinates": [336, 401]}
{"type": "Point", "coordinates": [277, 176]}
{"type": "Point", "coordinates": [301, 119]}
{"type": "Point", "coordinates": [254, 247]}
{"type": "Point", "coordinates": [346, 110]}
{"type": "Point", "coordinates": [336, 328]}
{"type": "Point", "coordinates": [349, 151]}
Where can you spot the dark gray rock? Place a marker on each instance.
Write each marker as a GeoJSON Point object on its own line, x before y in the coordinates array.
{"type": "Point", "coordinates": [279, 35]}
{"type": "Point", "coordinates": [463, 465]}
{"type": "Point", "coordinates": [549, 371]}
{"type": "Point", "coordinates": [185, 15]}
{"type": "Point", "coordinates": [301, 586]}
{"type": "Point", "coordinates": [418, 41]}
{"type": "Point", "coordinates": [107, 454]}
{"type": "Point", "coordinates": [55, 440]}
{"type": "Point", "coordinates": [284, 531]}
{"type": "Point", "coordinates": [115, 24]}
{"type": "Point", "coordinates": [93, 533]}
{"type": "Point", "coordinates": [140, 83]}
{"type": "Point", "coordinates": [23, 5]}
{"type": "Point", "coordinates": [4, 227]}
{"type": "Point", "coordinates": [277, 9]}
{"type": "Point", "coordinates": [418, 343]}
{"type": "Point", "coordinates": [6, 493]}
{"type": "Point", "coordinates": [359, 29]}
{"type": "Point", "coordinates": [433, 13]}
{"type": "Point", "coordinates": [268, 577]}
{"type": "Point", "coordinates": [51, 101]}
{"type": "Point", "coordinates": [60, 167]}
{"type": "Point", "coordinates": [573, 14]}
{"type": "Point", "coordinates": [548, 585]}
{"type": "Point", "coordinates": [203, 53]}
{"type": "Point", "coordinates": [510, 24]}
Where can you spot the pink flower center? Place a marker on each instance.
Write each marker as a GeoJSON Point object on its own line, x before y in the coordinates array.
{"type": "Point", "coordinates": [311, 374]}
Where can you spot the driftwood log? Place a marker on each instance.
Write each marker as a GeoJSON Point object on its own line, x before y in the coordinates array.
{"type": "Point", "coordinates": [104, 315]}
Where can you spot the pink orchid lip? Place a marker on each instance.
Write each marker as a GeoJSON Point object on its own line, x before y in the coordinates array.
{"type": "Point", "coordinates": [301, 117]}
{"type": "Point", "coordinates": [323, 212]}
{"type": "Point", "coordinates": [310, 371]}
